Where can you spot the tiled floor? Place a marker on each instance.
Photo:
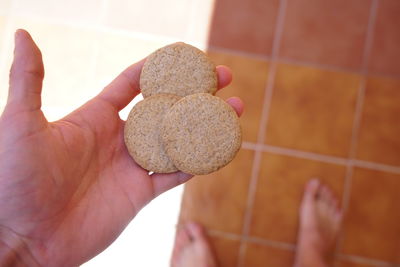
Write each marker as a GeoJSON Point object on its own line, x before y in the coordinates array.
{"type": "Point", "coordinates": [326, 32]}
{"type": "Point", "coordinates": [320, 80]}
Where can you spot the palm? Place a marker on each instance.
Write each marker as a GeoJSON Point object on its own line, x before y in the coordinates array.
{"type": "Point", "coordinates": [84, 180]}
{"type": "Point", "coordinates": [68, 188]}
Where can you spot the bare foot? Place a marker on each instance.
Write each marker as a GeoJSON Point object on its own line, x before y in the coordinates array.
{"type": "Point", "coordinates": [320, 219]}
{"type": "Point", "coordinates": [192, 248]}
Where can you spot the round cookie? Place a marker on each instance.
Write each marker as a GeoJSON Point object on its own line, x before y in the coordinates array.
{"type": "Point", "coordinates": [142, 136]}
{"type": "Point", "coordinates": [201, 134]}
{"type": "Point", "coordinates": [178, 69]}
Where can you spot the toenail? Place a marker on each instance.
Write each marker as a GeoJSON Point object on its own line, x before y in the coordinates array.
{"type": "Point", "coordinates": [313, 182]}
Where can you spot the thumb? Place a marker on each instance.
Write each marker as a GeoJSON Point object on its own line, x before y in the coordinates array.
{"type": "Point", "coordinates": [26, 74]}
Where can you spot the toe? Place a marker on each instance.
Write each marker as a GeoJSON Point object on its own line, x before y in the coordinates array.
{"type": "Point", "coordinates": [311, 190]}
{"type": "Point", "coordinates": [326, 195]}
{"type": "Point", "coordinates": [195, 231]}
{"type": "Point", "coordinates": [181, 240]}
{"type": "Point", "coordinates": [307, 208]}
{"type": "Point", "coordinates": [183, 236]}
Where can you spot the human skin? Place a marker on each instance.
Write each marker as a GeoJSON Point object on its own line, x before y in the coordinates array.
{"type": "Point", "coordinates": [68, 188]}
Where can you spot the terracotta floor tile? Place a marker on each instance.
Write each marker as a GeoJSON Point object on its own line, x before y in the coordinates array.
{"type": "Point", "coordinates": [168, 18]}
{"type": "Point", "coordinates": [244, 25]}
{"type": "Point", "coordinates": [326, 32]}
{"type": "Point", "coordinates": [312, 110]}
{"type": "Point", "coordinates": [226, 250]}
{"type": "Point", "coordinates": [87, 11]}
{"type": "Point", "coordinates": [218, 200]}
{"type": "Point", "coordinates": [279, 192]}
{"type": "Point", "coordinates": [385, 55]}
{"type": "Point", "coordinates": [372, 224]}
{"type": "Point", "coordinates": [249, 81]}
{"type": "Point", "coordinates": [265, 256]}
{"type": "Point", "coordinates": [380, 122]}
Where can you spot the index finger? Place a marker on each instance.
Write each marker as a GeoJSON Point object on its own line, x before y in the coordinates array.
{"type": "Point", "coordinates": [120, 92]}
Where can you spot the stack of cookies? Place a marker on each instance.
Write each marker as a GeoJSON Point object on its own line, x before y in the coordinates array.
{"type": "Point", "coordinates": [180, 125]}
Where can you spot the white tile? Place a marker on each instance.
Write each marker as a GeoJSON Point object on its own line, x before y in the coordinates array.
{"type": "Point", "coordinates": [71, 11]}
{"type": "Point", "coordinates": [68, 54]}
{"type": "Point", "coordinates": [167, 18]}
{"type": "Point", "coordinates": [6, 41]}
{"type": "Point", "coordinates": [5, 6]}
{"type": "Point", "coordinates": [118, 51]}
{"type": "Point", "coordinates": [200, 22]}
{"type": "Point", "coordinates": [148, 239]}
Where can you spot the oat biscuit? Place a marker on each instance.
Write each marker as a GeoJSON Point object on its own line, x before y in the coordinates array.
{"type": "Point", "coordinates": [179, 69]}
{"type": "Point", "coordinates": [201, 133]}
{"type": "Point", "coordinates": [141, 133]}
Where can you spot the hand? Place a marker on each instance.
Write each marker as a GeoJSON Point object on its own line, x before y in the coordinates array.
{"type": "Point", "coordinates": [68, 188]}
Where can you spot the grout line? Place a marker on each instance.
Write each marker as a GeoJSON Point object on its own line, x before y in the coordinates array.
{"type": "Point", "coordinates": [253, 239]}
{"type": "Point", "coordinates": [301, 63]}
{"type": "Point", "coordinates": [226, 235]}
{"type": "Point", "coordinates": [345, 206]}
{"type": "Point", "coordinates": [249, 205]}
{"type": "Point", "coordinates": [361, 91]}
{"type": "Point", "coordinates": [249, 145]}
{"type": "Point", "coordinates": [321, 157]}
{"type": "Point", "coordinates": [357, 118]}
{"type": "Point", "coordinates": [367, 261]}
{"type": "Point", "coordinates": [239, 53]}
{"type": "Point", "coordinates": [271, 243]}
{"type": "Point", "coordinates": [292, 247]}
{"type": "Point", "coordinates": [384, 75]}
{"type": "Point", "coordinates": [304, 155]}
{"type": "Point", "coordinates": [325, 67]}
{"type": "Point", "coordinates": [376, 166]}
{"type": "Point", "coordinates": [261, 133]}
{"type": "Point", "coordinates": [370, 35]}
{"type": "Point", "coordinates": [272, 71]}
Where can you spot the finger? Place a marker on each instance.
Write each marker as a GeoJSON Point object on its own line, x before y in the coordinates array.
{"type": "Point", "coordinates": [163, 182]}
{"type": "Point", "coordinates": [237, 104]}
{"type": "Point", "coordinates": [224, 76]}
{"type": "Point", "coordinates": [124, 88]}
{"type": "Point", "coordinates": [26, 75]}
